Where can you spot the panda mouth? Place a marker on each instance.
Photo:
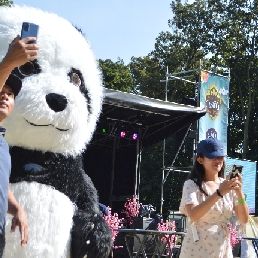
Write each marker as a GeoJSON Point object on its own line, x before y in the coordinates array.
{"type": "Point", "coordinates": [59, 129]}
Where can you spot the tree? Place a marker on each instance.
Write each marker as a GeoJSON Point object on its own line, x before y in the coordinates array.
{"type": "Point", "coordinates": [170, 51]}
{"type": "Point", "coordinates": [147, 73]}
{"type": "Point", "coordinates": [228, 33]}
{"type": "Point", "coordinates": [116, 75]}
{"type": "Point", "coordinates": [5, 2]}
{"type": "Point", "coordinates": [224, 35]}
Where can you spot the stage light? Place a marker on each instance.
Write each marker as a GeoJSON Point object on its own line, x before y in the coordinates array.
{"type": "Point", "coordinates": [134, 136]}
{"type": "Point", "coordinates": [122, 134]}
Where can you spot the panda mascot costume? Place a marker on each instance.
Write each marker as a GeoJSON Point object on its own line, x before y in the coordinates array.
{"type": "Point", "coordinates": [53, 120]}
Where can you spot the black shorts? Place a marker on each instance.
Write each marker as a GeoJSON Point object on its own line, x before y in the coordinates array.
{"type": "Point", "coordinates": [2, 245]}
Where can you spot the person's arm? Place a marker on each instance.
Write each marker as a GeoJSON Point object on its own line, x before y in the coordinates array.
{"type": "Point", "coordinates": [241, 210]}
{"type": "Point", "coordinates": [195, 212]}
{"type": "Point", "coordinates": [19, 217]}
{"type": "Point", "coordinates": [19, 52]}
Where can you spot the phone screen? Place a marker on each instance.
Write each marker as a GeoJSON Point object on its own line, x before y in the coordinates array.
{"type": "Point", "coordinates": [237, 169]}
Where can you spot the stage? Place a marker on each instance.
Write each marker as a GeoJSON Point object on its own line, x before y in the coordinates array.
{"type": "Point", "coordinates": [129, 123]}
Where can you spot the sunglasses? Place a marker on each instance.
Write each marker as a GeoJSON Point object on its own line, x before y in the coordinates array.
{"type": "Point", "coordinates": [29, 68]}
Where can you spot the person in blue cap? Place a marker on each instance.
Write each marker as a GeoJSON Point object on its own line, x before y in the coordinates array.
{"type": "Point", "coordinates": [209, 200]}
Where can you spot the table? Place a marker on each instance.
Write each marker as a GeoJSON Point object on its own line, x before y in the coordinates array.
{"type": "Point", "coordinates": [161, 240]}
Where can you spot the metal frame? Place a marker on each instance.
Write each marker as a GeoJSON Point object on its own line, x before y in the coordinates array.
{"type": "Point", "coordinates": [160, 244]}
{"type": "Point", "coordinates": [170, 77]}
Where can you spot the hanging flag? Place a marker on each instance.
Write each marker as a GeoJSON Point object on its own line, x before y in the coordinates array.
{"type": "Point", "coordinates": [214, 97]}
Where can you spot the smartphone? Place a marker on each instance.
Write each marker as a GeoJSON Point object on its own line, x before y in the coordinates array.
{"type": "Point", "coordinates": [29, 30]}
{"type": "Point", "coordinates": [237, 169]}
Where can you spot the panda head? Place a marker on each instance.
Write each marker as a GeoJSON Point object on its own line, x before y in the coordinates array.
{"type": "Point", "coordinates": [61, 96]}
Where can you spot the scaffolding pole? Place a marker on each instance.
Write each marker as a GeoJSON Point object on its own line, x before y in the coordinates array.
{"type": "Point", "coordinates": [170, 77]}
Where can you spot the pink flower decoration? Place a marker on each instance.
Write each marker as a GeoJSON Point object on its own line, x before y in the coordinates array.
{"type": "Point", "coordinates": [132, 207]}
{"type": "Point", "coordinates": [114, 223]}
{"type": "Point", "coordinates": [233, 235]}
{"type": "Point", "coordinates": [168, 226]}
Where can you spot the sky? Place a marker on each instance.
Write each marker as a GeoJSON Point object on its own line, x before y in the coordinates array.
{"type": "Point", "coordinates": [114, 28]}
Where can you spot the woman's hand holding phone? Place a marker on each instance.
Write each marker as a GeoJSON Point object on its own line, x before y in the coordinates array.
{"type": "Point", "coordinates": [235, 177]}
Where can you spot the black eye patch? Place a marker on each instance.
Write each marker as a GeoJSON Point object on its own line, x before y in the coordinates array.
{"type": "Point", "coordinates": [76, 78]}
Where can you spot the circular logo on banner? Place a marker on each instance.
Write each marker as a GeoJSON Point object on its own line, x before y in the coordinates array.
{"type": "Point", "coordinates": [212, 133]}
{"type": "Point", "coordinates": [213, 101]}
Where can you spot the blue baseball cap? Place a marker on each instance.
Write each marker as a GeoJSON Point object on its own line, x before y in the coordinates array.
{"type": "Point", "coordinates": [211, 148]}
{"type": "Point", "coordinates": [15, 83]}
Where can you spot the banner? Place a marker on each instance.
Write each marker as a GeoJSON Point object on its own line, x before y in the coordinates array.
{"type": "Point", "coordinates": [214, 97]}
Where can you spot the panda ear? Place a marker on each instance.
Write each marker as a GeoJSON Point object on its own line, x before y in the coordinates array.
{"type": "Point", "coordinates": [27, 69]}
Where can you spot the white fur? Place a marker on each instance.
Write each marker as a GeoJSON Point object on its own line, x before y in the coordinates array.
{"type": "Point", "coordinates": [43, 204]}
{"type": "Point", "coordinates": [61, 47]}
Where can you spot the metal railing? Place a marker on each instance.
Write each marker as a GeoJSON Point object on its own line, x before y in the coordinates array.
{"type": "Point", "coordinates": [160, 242]}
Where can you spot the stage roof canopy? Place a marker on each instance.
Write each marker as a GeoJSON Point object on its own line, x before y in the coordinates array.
{"type": "Point", "coordinates": [152, 119]}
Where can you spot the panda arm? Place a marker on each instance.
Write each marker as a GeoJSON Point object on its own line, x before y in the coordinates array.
{"type": "Point", "coordinates": [91, 235]}
{"type": "Point", "coordinates": [87, 199]}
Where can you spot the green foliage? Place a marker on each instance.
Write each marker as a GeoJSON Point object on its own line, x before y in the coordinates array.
{"type": "Point", "coordinates": [235, 37]}
{"type": "Point", "coordinates": [116, 75]}
{"type": "Point", "coordinates": [5, 2]}
{"type": "Point", "coordinates": [224, 35]}
{"type": "Point", "coordinates": [147, 72]}
{"type": "Point", "coordinates": [151, 173]}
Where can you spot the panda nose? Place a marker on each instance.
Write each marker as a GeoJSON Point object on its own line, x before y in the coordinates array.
{"type": "Point", "coordinates": [56, 102]}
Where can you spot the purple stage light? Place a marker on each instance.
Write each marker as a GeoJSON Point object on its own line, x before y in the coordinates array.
{"type": "Point", "coordinates": [134, 136]}
{"type": "Point", "coordinates": [122, 134]}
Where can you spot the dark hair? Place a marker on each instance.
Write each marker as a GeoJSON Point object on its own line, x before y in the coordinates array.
{"type": "Point", "coordinates": [197, 173]}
